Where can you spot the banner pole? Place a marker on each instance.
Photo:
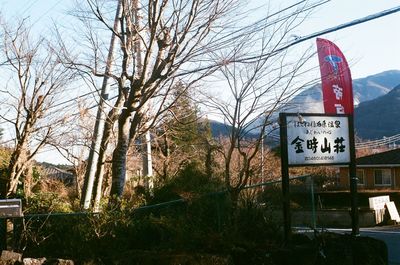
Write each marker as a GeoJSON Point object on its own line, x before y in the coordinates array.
{"type": "Point", "coordinates": [355, 229]}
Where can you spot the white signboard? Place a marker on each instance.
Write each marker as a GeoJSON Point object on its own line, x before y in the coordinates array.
{"type": "Point", "coordinates": [378, 202]}
{"type": "Point", "coordinates": [394, 215]}
{"type": "Point", "coordinates": [318, 139]}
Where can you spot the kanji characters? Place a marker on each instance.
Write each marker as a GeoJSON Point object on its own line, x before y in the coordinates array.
{"type": "Point", "coordinates": [297, 142]}
{"type": "Point", "coordinates": [324, 147]}
{"type": "Point", "coordinates": [312, 144]}
{"type": "Point", "coordinates": [339, 147]}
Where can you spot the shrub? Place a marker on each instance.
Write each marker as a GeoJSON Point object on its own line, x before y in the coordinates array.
{"type": "Point", "coordinates": [47, 202]}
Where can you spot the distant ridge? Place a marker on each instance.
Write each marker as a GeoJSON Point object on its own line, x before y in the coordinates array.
{"type": "Point", "coordinates": [378, 106]}
{"type": "Point", "coordinates": [380, 117]}
{"type": "Point", "coordinates": [364, 89]}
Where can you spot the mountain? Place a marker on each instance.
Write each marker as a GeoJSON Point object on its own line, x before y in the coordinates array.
{"type": "Point", "coordinates": [364, 89]}
{"type": "Point", "coordinates": [378, 106]}
{"type": "Point", "coordinates": [379, 117]}
{"type": "Point", "coordinates": [219, 129]}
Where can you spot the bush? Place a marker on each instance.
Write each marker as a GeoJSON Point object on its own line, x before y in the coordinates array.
{"type": "Point", "coordinates": [190, 183]}
{"type": "Point", "coordinates": [5, 155]}
{"type": "Point", "coordinates": [47, 202]}
{"type": "Point", "coordinates": [200, 222]}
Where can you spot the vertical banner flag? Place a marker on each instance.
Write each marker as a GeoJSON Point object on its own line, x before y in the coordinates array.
{"type": "Point", "coordinates": [337, 90]}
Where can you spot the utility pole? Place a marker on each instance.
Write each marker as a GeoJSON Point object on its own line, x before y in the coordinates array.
{"type": "Point", "coordinates": [100, 119]}
{"type": "Point", "coordinates": [147, 164]}
{"type": "Point", "coordinates": [147, 161]}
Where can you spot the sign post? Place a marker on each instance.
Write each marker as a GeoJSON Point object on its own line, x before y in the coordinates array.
{"type": "Point", "coordinates": [285, 178]}
{"type": "Point", "coordinates": [355, 229]}
{"type": "Point", "coordinates": [316, 140]}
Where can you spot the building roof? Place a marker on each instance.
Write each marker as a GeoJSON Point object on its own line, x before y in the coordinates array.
{"type": "Point", "coordinates": [388, 158]}
{"type": "Point", "coordinates": [50, 171]}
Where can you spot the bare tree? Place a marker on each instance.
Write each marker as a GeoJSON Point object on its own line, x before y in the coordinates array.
{"type": "Point", "coordinates": [160, 42]}
{"type": "Point", "coordinates": [260, 79]}
{"type": "Point", "coordinates": [35, 81]}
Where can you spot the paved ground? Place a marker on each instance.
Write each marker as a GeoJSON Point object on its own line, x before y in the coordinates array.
{"type": "Point", "coordinates": [389, 234]}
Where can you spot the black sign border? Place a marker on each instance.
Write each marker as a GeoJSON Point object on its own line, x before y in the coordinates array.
{"type": "Point", "coordinates": [283, 135]}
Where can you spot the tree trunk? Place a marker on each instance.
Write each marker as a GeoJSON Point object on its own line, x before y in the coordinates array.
{"type": "Point", "coordinates": [99, 178]}
{"type": "Point", "coordinates": [234, 196]}
{"type": "Point", "coordinates": [209, 160]}
{"type": "Point", "coordinates": [108, 128]}
{"type": "Point", "coordinates": [15, 169]}
{"type": "Point", "coordinates": [119, 156]}
{"type": "Point", "coordinates": [28, 182]}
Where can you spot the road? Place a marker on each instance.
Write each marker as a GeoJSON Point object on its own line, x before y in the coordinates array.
{"type": "Point", "coordinates": [388, 234]}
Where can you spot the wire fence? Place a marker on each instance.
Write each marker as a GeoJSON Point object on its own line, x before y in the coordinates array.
{"type": "Point", "coordinates": [212, 207]}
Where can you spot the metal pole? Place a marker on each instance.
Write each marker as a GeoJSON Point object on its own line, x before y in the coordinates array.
{"type": "Point", "coordinates": [314, 224]}
{"type": "Point", "coordinates": [285, 178]}
{"type": "Point", "coordinates": [100, 119]}
{"type": "Point", "coordinates": [355, 229]}
{"type": "Point", "coordinates": [147, 161]}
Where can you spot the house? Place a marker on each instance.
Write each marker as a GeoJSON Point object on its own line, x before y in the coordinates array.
{"type": "Point", "coordinates": [55, 173]}
{"type": "Point", "coordinates": [377, 171]}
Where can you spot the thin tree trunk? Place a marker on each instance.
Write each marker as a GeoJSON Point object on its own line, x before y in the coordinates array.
{"type": "Point", "coordinates": [100, 163]}
{"type": "Point", "coordinates": [99, 183]}
{"type": "Point", "coordinates": [16, 167]}
{"type": "Point", "coordinates": [28, 182]}
{"type": "Point", "coordinates": [119, 156]}
{"type": "Point", "coordinates": [108, 127]}
{"type": "Point", "coordinates": [209, 160]}
{"type": "Point", "coordinates": [94, 158]}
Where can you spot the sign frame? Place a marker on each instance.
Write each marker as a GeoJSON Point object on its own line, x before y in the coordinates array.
{"type": "Point", "coordinates": [305, 116]}
{"type": "Point", "coordinates": [285, 171]}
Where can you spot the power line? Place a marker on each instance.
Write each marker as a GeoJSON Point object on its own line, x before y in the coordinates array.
{"type": "Point", "coordinates": [72, 115]}
{"type": "Point", "coordinates": [67, 101]}
{"type": "Point", "coordinates": [29, 6]}
{"type": "Point", "coordinates": [387, 12]}
{"type": "Point", "coordinates": [326, 31]}
{"type": "Point", "coordinates": [46, 12]}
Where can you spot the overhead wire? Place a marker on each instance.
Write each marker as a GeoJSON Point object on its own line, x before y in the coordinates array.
{"type": "Point", "coordinates": [369, 144]}
{"type": "Point", "coordinates": [67, 101]}
{"type": "Point", "coordinates": [301, 39]}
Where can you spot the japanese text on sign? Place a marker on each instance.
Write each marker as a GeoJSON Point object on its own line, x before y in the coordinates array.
{"type": "Point", "coordinates": [318, 140]}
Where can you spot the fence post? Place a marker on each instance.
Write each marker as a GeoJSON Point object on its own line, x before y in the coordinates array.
{"type": "Point", "coordinates": [17, 233]}
{"type": "Point", "coordinates": [3, 233]}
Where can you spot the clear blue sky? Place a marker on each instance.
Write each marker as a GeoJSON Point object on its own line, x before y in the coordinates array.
{"type": "Point", "coordinates": [370, 48]}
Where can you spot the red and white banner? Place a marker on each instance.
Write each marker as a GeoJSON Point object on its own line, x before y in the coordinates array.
{"type": "Point", "coordinates": [337, 89]}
